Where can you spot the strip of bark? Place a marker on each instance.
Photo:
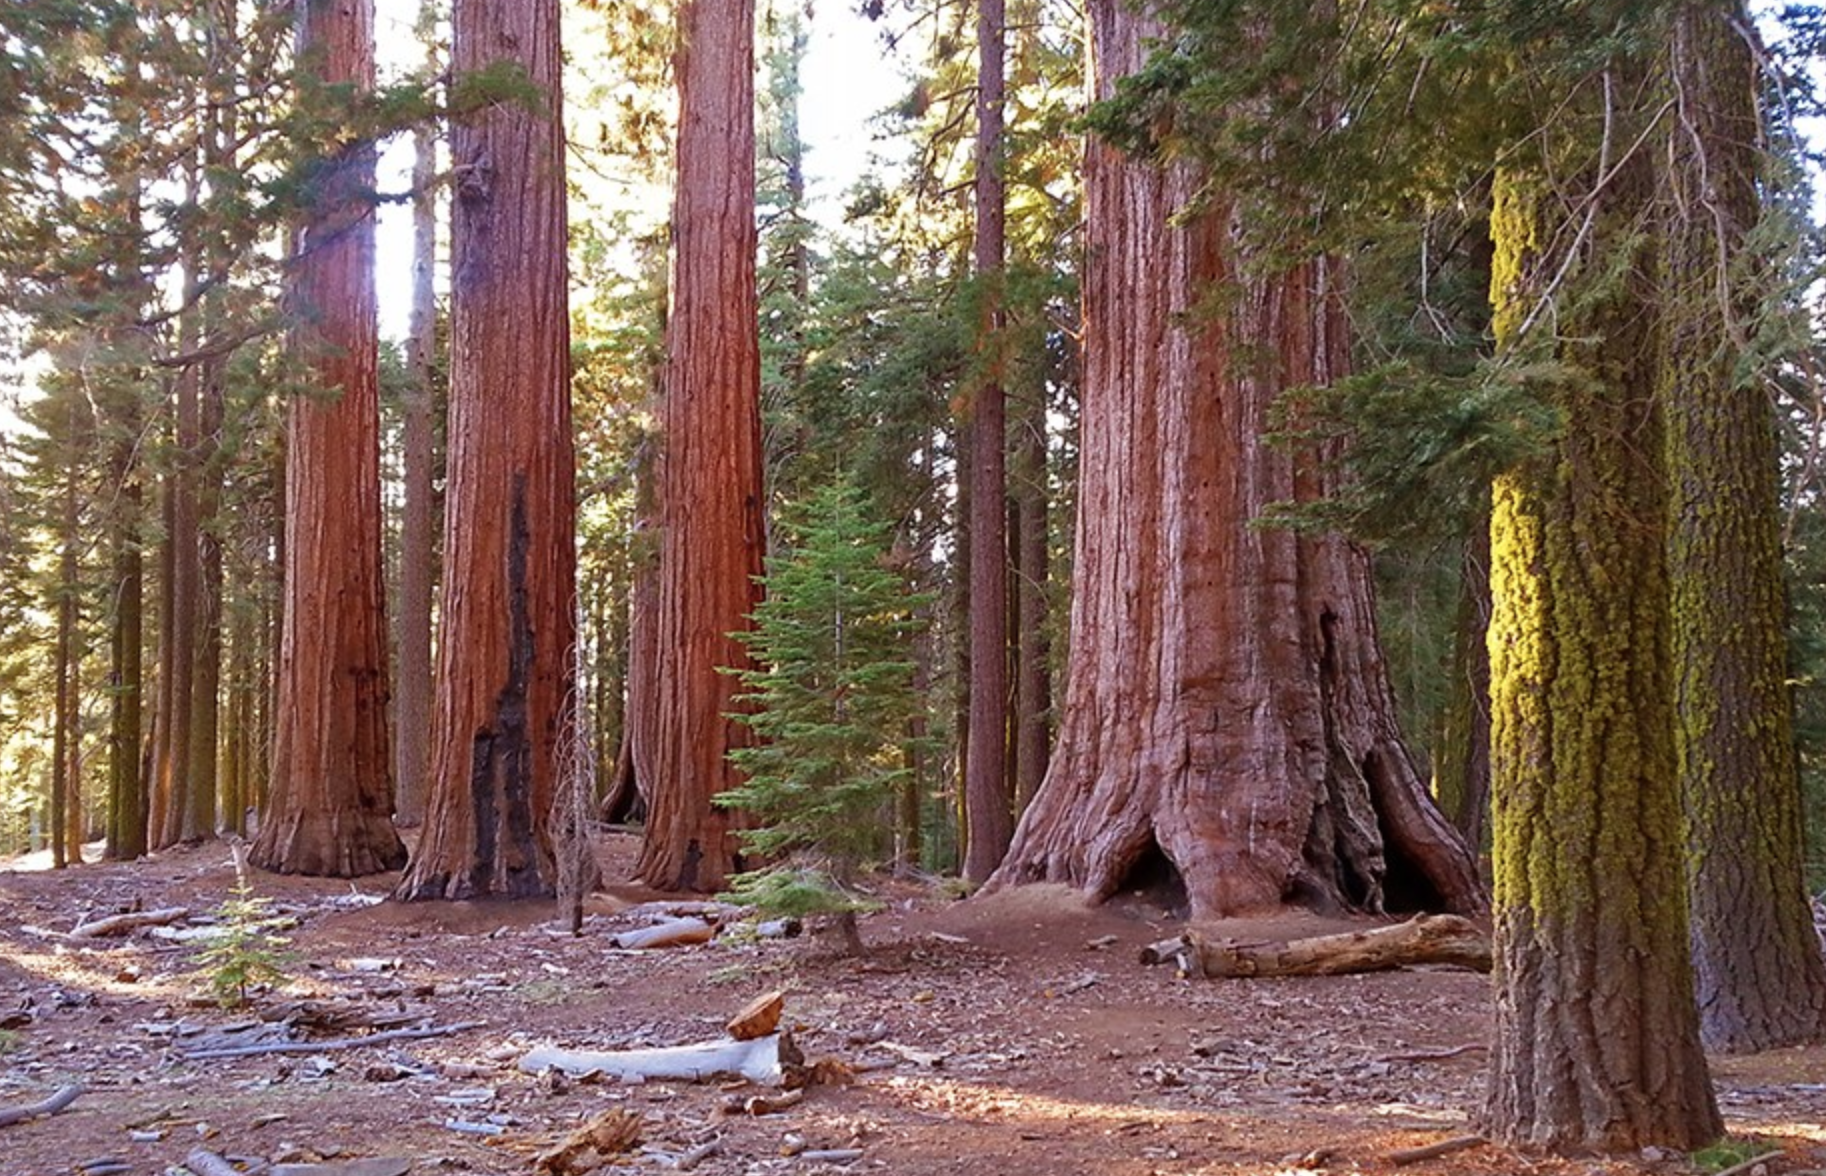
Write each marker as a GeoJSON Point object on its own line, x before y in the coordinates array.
{"type": "Point", "coordinates": [340, 1043]}
{"type": "Point", "coordinates": [1445, 1147]}
{"type": "Point", "coordinates": [59, 1100]}
{"type": "Point", "coordinates": [208, 1163]}
{"type": "Point", "coordinates": [1425, 939]}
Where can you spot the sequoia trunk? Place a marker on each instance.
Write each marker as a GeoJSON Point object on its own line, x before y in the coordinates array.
{"type": "Point", "coordinates": [505, 700]}
{"type": "Point", "coordinates": [329, 809]}
{"type": "Point", "coordinates": [710, 503]}
{"type": "Point", "coordinates": [1226, 706]}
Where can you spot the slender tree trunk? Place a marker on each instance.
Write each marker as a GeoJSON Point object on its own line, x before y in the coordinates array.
{"type": "Point", "coordinates": [1461, 760]}
{"type": "Point", "coordinates": [1227, 705]}
{"type": "Point", "coordinates": [713, 535]}
{"type": "Point", "coordinates": [987, 803]}
{"type": "Point", "coordinates": [1033, 652]}
{"type": "Point", "coordinates": [126, 787]}
{"type": "Point", "coordinates": [178, 627]}
{"type": "Point", "coordinates": [1597, 1036]}
{"type": "Point", "coordinates": [66, 798]}
{"type": "Point", "coordinates": [418, 534]}
{"type": "Point", "coordinates": [329, 813]}
{"type": "Point", "coordinates": [505, 707]}
{"type": "Point", "coordinates": [1760, 975]}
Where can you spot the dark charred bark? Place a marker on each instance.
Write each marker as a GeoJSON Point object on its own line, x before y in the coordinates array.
{"type": "Point", "coordinates": [504, 711]}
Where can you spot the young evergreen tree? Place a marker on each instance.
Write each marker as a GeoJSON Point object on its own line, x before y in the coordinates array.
{"type": "Point", "coordinates": [830, 698]}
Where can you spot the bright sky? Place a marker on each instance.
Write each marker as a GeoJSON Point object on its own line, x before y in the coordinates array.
{"type": "Point", "coordinates": [847, 78]}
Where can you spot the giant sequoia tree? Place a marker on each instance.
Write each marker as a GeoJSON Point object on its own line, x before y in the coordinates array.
{"type": "Point", "coordinates": [1226, 700]}
{"type": "Point", "coordinates": [504, 701]}
{"type": "Point", "coordinates": [710, 506]}
{"type": "Point", "coordinates": [331, 799]}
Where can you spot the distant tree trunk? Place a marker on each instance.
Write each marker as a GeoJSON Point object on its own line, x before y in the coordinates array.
{"type": "Point", "coordinates": [329, 812]}
{"type": "Point", "coordinates": [418, 529]}
{"type": "Point", "coordinates": [711, 502]}
{"type": "Point", "coordinates": [1227, 706]}
{"type": "Point", "coordinates": [631, 788]}
{"type": "Point", "coordinates": [1461, 760]}
{"type": "Point", "coordinates": [1597, 1037]}
{"type": "Point", "coordinates": [505, 704]}
{"type": "Point", "coordinates": [987, 802]}
{"type": "Point", "coordinates": [1760, 976]}
{"type": "Point", "coordinates": [178, 624]}
{"type": "Point", "coordinates": [1033, 648]}
{"type": "Point", "coordinates": [126, 787]}
{"type": "Point", "coordinates": [66, 796]}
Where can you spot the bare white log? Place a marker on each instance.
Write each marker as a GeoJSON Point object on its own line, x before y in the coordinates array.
{"type": "Point", "coordinates": [672, 933]}
{"type": "Point", "coordinates": [131, 921]}
{"type": "Point", "coordinates": [761, 1061]}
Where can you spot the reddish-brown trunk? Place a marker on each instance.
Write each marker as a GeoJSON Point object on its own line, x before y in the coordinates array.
{"type": "Point", "coordinates": [418, 535]}
{"type": "Point", "coordinates": [1227, 706]}
{"type": "Point", "coordinates": [710, 465]}
{"type": "Point", "coordinates": [1033, 648]}
{"type": "Point", "coordinates": [987, 803]}
{"type": "Point", "coordinates": [505, 681]}
{"type": "Point", "coordinates": [329, 811]}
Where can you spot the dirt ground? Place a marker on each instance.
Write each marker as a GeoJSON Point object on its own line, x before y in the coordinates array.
{"type": "Point", "coordinates": [1014, 1035]}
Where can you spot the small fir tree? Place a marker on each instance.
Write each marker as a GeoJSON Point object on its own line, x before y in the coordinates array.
{"type": "Point", "coordinates": [249, 951]}
{"type": "Point", "coordinates": [831, 702]}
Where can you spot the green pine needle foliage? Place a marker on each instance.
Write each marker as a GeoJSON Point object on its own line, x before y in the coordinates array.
{"type": "Point", "coordinates": [830, 701]}
{"type": "Point", "coordinates": [249, 952]}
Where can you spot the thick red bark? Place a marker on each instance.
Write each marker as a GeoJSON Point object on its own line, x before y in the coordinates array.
{"type": "Point", "coordinates": [1226, 703]}
{"type": "Point", "coordinates": [329, 808]}
{"type": "Point", "coordinates": [505, 683]}
{"type": "Point", "coordinates": [712, 539]}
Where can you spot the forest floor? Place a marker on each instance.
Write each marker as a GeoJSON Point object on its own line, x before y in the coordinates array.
{"type": "Point", "coordinates": [1013, 1035]}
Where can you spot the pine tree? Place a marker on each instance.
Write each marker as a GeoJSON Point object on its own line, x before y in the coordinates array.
{"type": "Point", "coordinates": [830, 700]}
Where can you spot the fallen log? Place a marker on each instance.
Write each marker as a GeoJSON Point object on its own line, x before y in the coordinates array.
{"type": "Point", "coordinates": [673, 933]}
{"type": "Point", "coordinates": [59, 1100]}
{"type": "Point", "coordinates": [129, 922]}
{"type": "Point", "coordinates": [207, 1163]}
{"type": "Point", "coordinates": [299, 1047]}
{"type": "Point", "coordinates": [1425, 939]}
{"type": "Point", "coordinates": [766, 1061]}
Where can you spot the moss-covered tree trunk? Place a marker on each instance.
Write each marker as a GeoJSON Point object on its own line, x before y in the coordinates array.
{"type": "Point", "coordinates": [1227, 706]}
{"type": "Point", "coordinates": [504, 703]}
{"type": "Point", "coordinates": [1760, 976]}
{"type": "Point", "coordinates": [1597, 1038]}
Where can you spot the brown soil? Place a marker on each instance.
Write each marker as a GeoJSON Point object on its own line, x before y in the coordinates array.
{"type": "Point", "coordinates": [1030, 1042]}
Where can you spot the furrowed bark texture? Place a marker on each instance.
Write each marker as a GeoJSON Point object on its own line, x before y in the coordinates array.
{"type": "Point", "coordinates": [988, 804]}
{"type": "Point", "coordinates": [710, 466]}
{"type": "Point", "coordinates": [1226, 698]}
{"type": "Point", "coordinates": [418, 526]}
{"type": "Point", "coordinates": [1759, 974]}
{"type": "Point", "coordinates": [1597, 1038]}
{"type": "Point", "coordinates": [505, 680]}
{"type": "Point", "coordinates": [329, 808]}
